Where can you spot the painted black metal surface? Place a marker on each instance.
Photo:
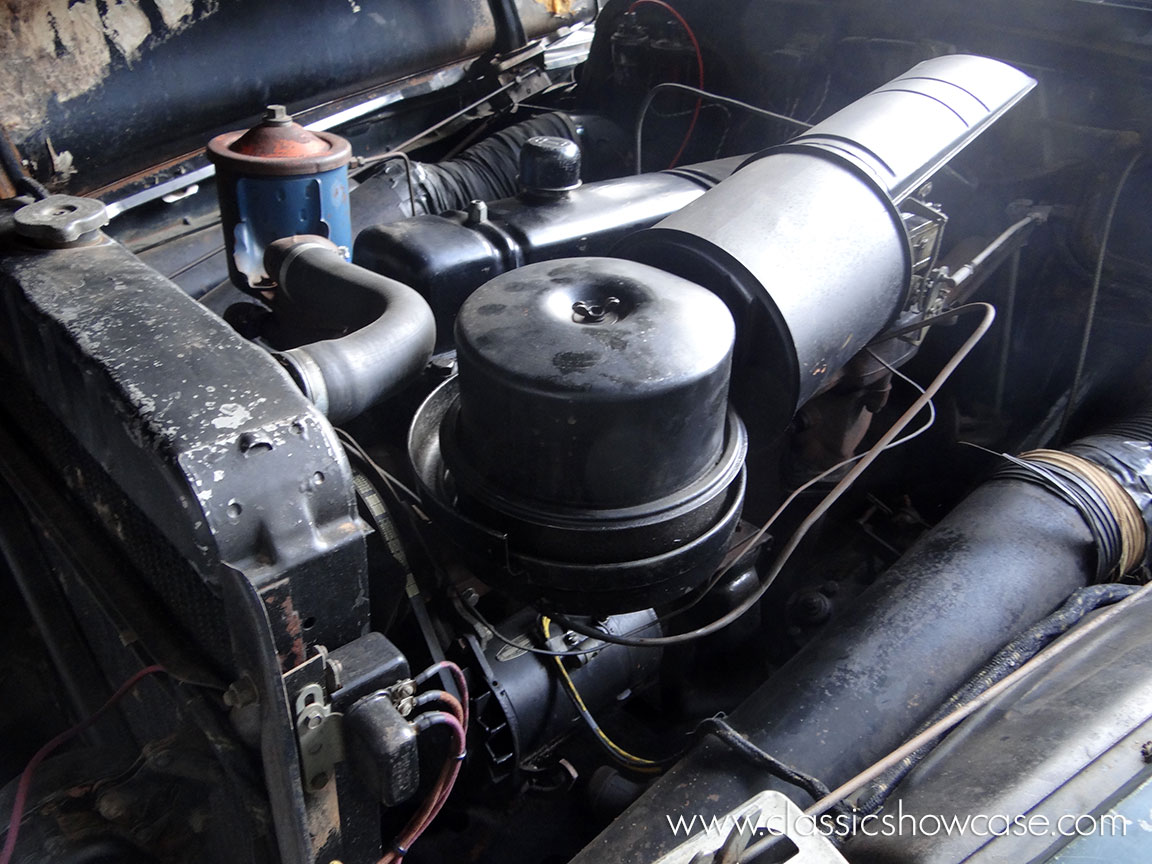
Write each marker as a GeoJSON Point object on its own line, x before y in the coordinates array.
{"type": "Point", "coordinates": [448, 256]}
{"type": "Point", "coordinates": [223, 462]}
{"type": "Point", "coordinates": [199, 57]}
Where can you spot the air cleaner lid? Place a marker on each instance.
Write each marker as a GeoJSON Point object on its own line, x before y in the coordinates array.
{"type": "Point", "coordinates": [591, 382]}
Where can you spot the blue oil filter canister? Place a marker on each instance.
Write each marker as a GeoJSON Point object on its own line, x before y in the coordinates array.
{"type": "Point", "coordinates": [277, 180]}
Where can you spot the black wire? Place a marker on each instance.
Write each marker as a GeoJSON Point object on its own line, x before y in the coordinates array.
{"type": "Point", "coordinates": [184, 269]}
{"type": "Point", "coordinates": [472, 611]}
{"type": "Point", "coordinates": [396, 154]}
{"type": "Point", "coordinates": [1094, 295]}
{"type": "Point", "coordinates": [918, 324]}
{"type": "Point", "coordinates": [720, 729]}
{"type": "Point", "coordinates": [726, 100]}
{"type": "Point", "coordinates": [393, 484]}
{"type": "Point", "coordinates": [389, 480]}
{"type": "Point", "coordinates": [1081, 493]}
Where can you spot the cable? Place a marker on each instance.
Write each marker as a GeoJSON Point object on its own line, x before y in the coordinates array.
{"type": "Point", "coordinates": [617, 752]}
{"type": "Point", "coordinates": [390, 480]}
{"type": "Point", "coordinates": [439, 697]}
{"type": "Point", "coordinates": [40, 755]}
{"type": "Point", "coordinates": [726, 100]}
{"type": "Point", "coordinates": [457, 675]}
{"type": "Point", "coordinates": [441, 123]}
{"type": "Point", "coordinates": [699, 77]}
{"type": "Point", "coordinates": [737, 553]}
{"type": "Point", "coordinates": [1094, 295]}
{"type": "Point", "coordinates": [196, 262]}
{"type": "Point", "coordinates": [818, 511]}
{"type": "Point", "coordinates": [395, 154]}
{"type": "Point", "coordinates": [1112, 517]}
{"type": "Point", "coordinates": [719, 728]}
{"type": "Point", "coordinates": [441, 789]}
{"type": "Point", "coordinates": [473, 612]}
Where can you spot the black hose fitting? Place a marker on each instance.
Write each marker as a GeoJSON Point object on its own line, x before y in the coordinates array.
{"type": "Point", "coordinates": [392, 331]}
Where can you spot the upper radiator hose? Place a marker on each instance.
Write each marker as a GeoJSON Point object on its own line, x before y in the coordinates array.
{"type": "Point", "coordinates": [805, 243]}
{"type": "Point", "coordinates": [392, 328]}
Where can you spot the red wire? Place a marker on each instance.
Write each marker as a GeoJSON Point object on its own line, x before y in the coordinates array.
{"type": "Point", "coordinates": [699, 71]}
{"type": "Point", "coordinates": [428, 811]}
{"type": "Point", "coordinates": [457, 675]}
{"type": "Point", "coordinates": [444, 698]}
{"type": "Point", "coordinates": [442, 788]}
{"type": "Point", "coordinates": [30, 769]}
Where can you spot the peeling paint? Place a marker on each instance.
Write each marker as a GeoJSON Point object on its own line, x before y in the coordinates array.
{"type": "Point", "coordinates": [557, 7]}
{"type": "Point", "coordinates": [66, 48]}
{"type": "Point", "coordinates": [232, 416]}
{"type": "Point", "coordinates": [127, 26]}
{"type": "Point", "coordinates": [174, 12]}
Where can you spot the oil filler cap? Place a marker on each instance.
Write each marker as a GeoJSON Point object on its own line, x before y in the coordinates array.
{"type": "Point", "coordinates": [549, 166]}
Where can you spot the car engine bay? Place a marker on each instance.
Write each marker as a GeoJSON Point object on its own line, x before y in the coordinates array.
{"type": "Point", "coordinates": [687, 432]}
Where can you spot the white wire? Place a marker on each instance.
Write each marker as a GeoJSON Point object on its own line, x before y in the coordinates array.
{"type": "Point", "coordinates": [827, 472]}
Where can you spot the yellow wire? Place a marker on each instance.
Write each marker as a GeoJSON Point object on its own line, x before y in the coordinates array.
{"type": "Point", "coordinates": [634, 761]}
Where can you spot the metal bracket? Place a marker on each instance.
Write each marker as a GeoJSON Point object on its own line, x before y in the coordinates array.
{"type": "Point", "coordinates": [765, 814]}
{"type": "Point", "coordinates": [321, 739]}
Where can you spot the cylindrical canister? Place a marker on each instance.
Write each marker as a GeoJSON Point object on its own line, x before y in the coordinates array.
{"type": "Point", "coordinates": [277, 180]}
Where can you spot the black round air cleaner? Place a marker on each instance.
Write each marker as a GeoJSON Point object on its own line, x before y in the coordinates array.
{"type": "Point", "coordinates": [585, 454]}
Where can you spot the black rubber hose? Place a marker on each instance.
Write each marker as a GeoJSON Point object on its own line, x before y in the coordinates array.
{"type": "Point", "coordinates": [487, 171]}
{"type": "Point", "coordinates": [1002, 561]}
{"type": "Point", "coordinates": [392, 331]}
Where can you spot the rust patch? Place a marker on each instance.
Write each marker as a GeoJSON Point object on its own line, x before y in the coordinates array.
{"type": "Point", "coordinates": [323, 818]}
{"type": "Point", "coordinates": [295, 630]}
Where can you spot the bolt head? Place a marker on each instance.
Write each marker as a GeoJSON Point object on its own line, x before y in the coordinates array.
{"type": "Point", "coordinates": [277, 114]}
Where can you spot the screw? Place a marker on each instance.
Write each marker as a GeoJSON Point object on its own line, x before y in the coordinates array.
{"type": "Point", "coordinates": [277, 114]}
{"type": "Point", "coordinates": [813, 607]}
